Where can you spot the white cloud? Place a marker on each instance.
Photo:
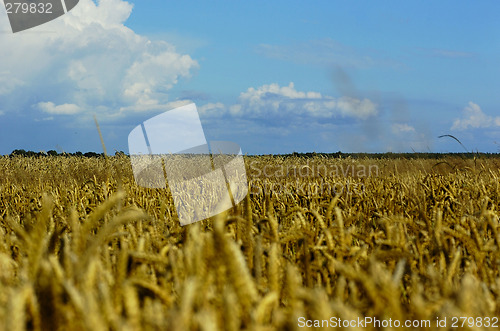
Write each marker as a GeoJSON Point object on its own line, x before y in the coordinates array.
{"type": "Point", "coordinates": [402, 128]}
{"type": "Point", "coordinates": [50, 118]}
{"type": "Point", "coordinates": [164, 106]}
{"type": "Point", "coordinates": [108, 13]}
{"type": "Point", "coordinates": [275, 100]}
{"type": "Point", "coordinates": [2, 112]}
{"type": "Point", "coordinates": [473, 117]}
{"type": "Point", "coordinates": [89, 58]}
{"type": "Point", "coordinates": [8, 83]}
{"type": "Point", "coordinates": [65, 109]}
{"type": "Point", "coordinates": [235, 109]}
{"type": "Point", "coordinates": [353, 107]}
{"type": "Point", "coordinates": [211, 107]}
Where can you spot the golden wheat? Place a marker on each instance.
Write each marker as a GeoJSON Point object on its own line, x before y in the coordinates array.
{"type": "Point", "coordinates": [85, 248]}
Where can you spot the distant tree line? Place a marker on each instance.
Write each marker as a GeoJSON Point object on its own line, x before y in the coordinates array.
{"type": "Point", "coordinates": [22, 152]}
{"type": "Point", "coordinates": [389, 155]}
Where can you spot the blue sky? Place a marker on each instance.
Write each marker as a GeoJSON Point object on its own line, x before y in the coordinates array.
{"type": "Point", "coordinates": [273, 76]}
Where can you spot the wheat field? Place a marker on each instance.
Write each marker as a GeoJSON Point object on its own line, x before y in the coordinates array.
{"type": "Point", "coordinates": [85, 248]}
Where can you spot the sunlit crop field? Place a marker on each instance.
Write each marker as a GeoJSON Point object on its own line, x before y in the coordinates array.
{"type": "Point", "coordinates": [84, 248]}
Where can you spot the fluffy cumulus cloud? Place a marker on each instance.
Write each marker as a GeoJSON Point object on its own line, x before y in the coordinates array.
{"type": "Point", "coordinates": [398, 128]}
{"type": "Point", "coordinates": [280, 101]}
{"type": "Point", "coordinates": [65, 109]}
{"type": "Point", "coordinates": [473, 117]}
{"type": "Point", "coordinates": [88, 60]}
